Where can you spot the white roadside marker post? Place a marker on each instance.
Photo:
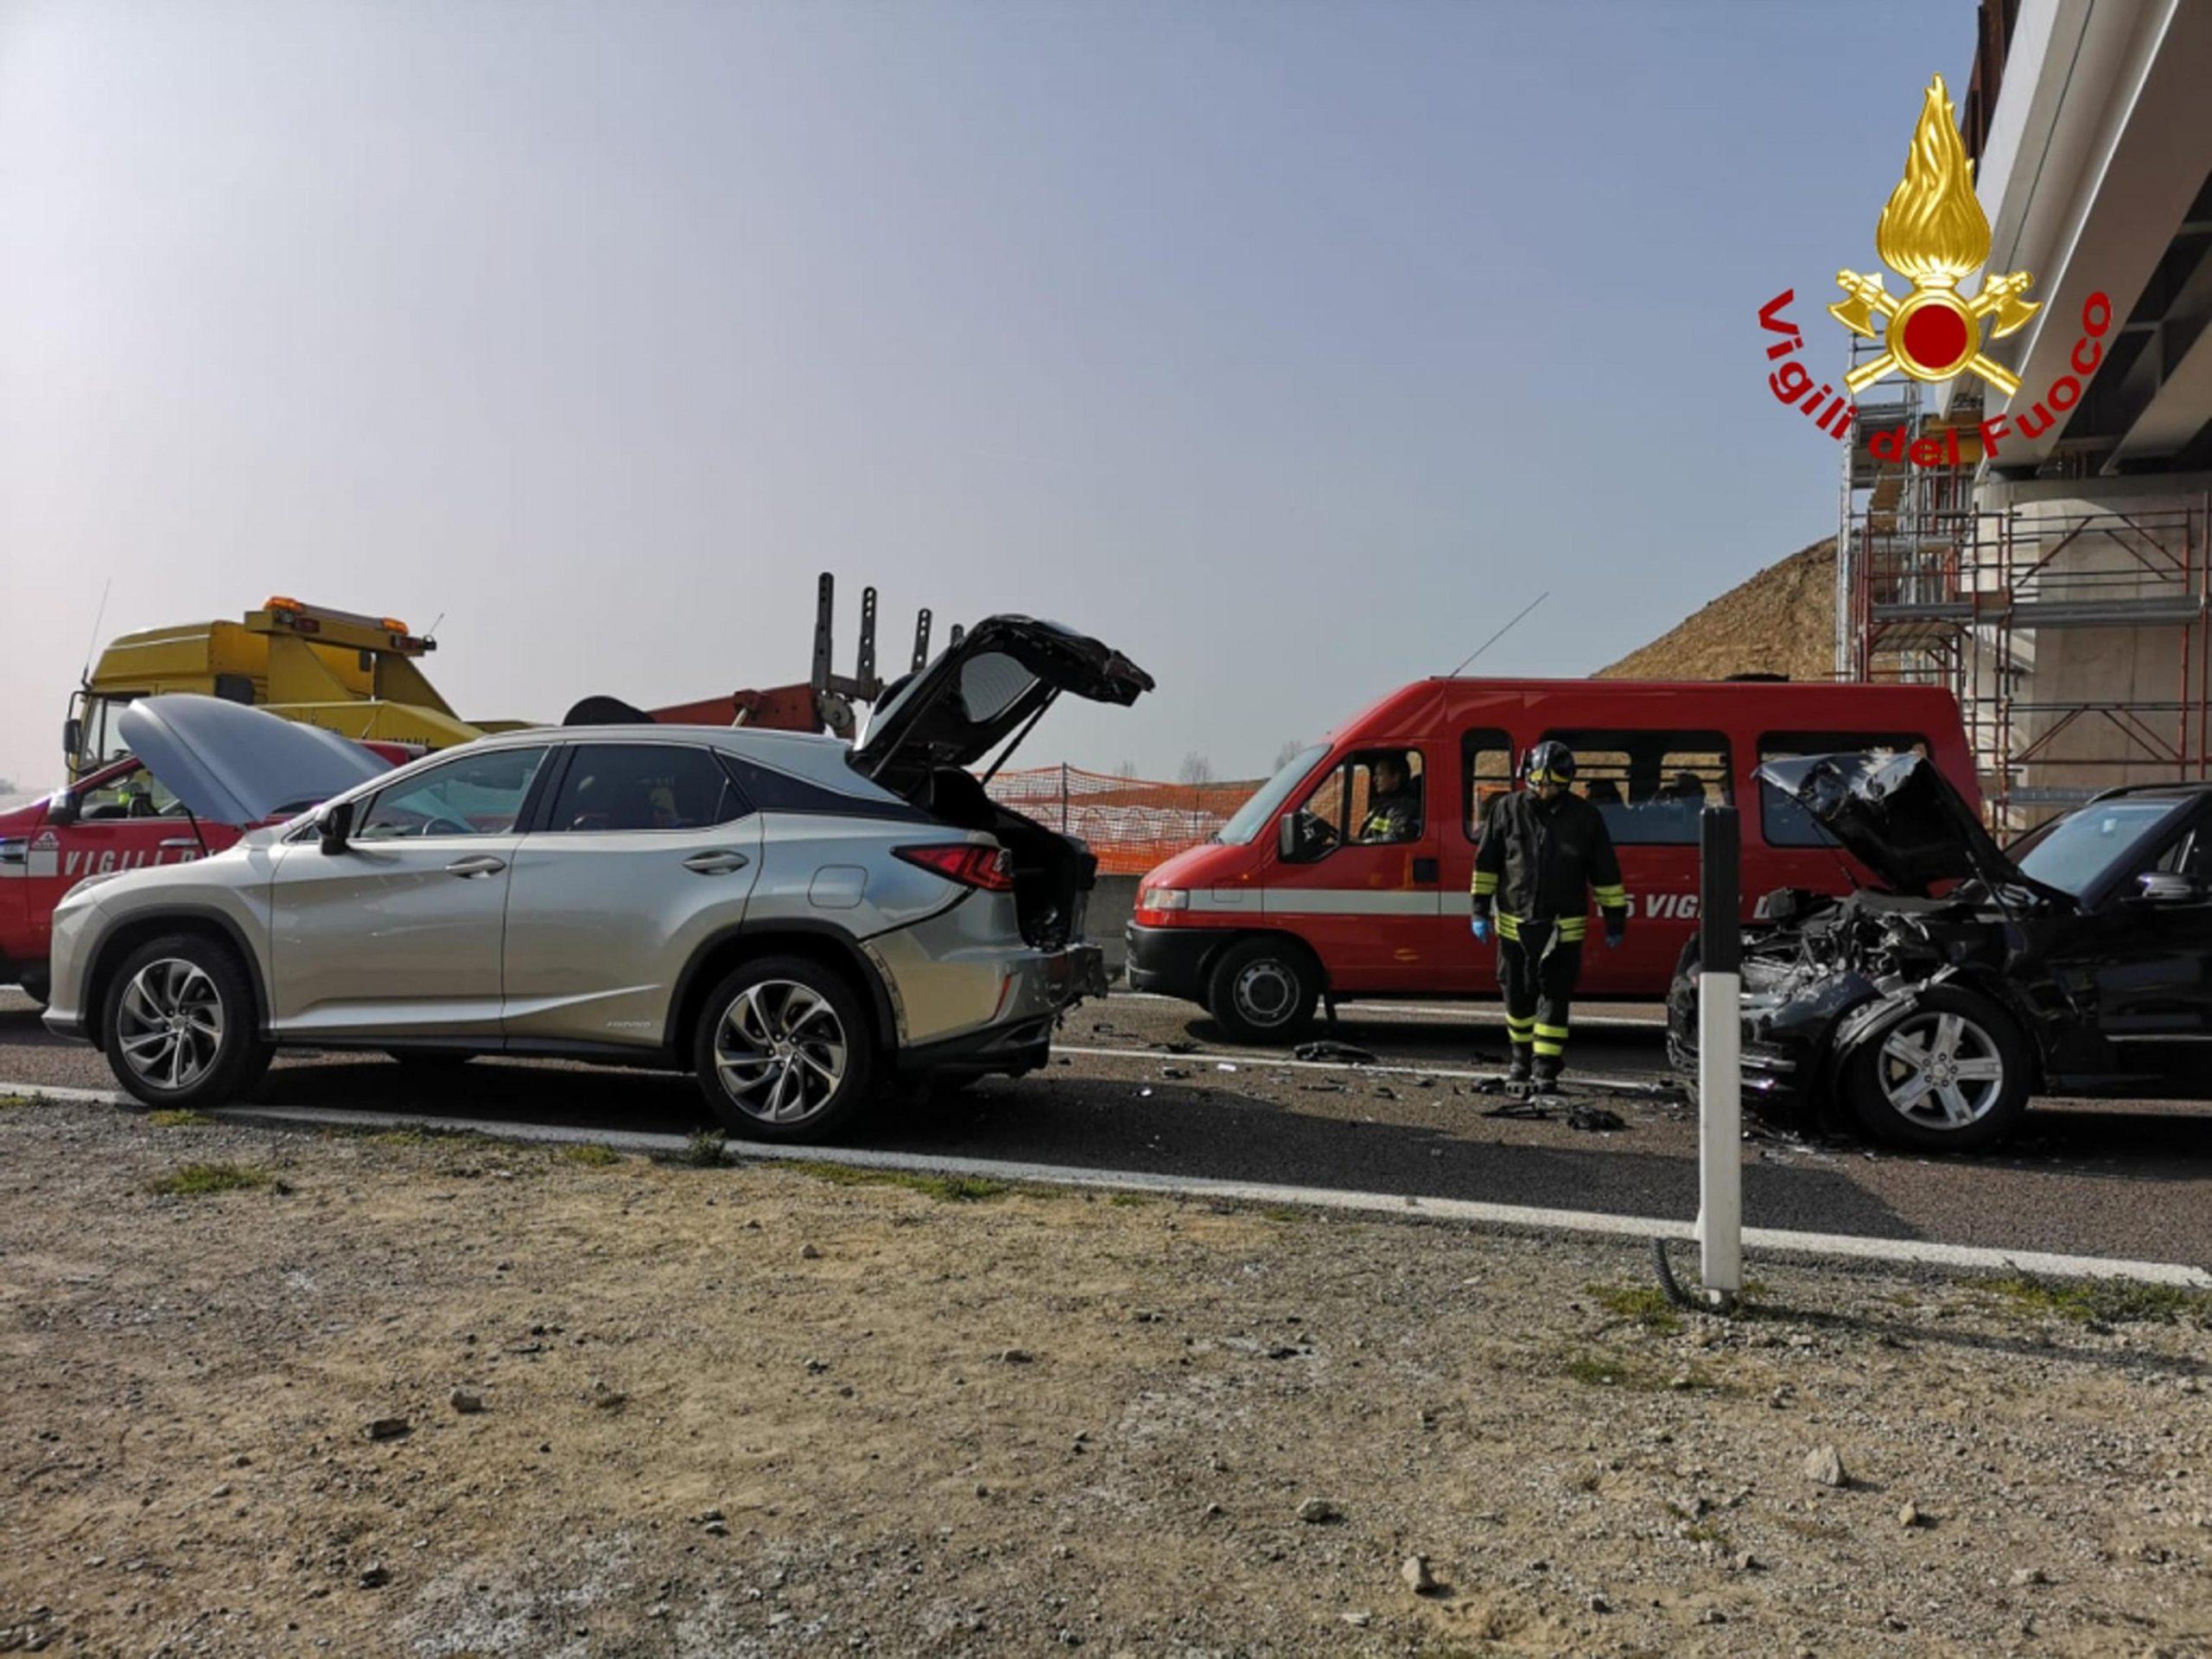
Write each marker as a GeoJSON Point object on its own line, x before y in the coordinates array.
{"type": "Point", "coordinates": [1719, 1058]}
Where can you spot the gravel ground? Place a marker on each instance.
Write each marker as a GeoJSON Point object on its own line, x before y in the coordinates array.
{"type": "Point", "coordinates": [746, 1410]}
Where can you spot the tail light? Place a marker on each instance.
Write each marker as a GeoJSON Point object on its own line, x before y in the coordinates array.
{"type": "Point", "coordinates": [972, 866]}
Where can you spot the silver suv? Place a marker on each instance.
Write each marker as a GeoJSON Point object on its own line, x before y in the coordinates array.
{"type": "Point", "coordinates": [790, 918]}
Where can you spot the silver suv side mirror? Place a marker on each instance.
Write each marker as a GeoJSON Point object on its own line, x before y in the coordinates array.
{"type": "Point", "coordinates": [333, 825]}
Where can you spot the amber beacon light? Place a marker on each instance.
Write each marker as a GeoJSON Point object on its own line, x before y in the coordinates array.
{"type": "Point", "coordinates": [1933, 233]}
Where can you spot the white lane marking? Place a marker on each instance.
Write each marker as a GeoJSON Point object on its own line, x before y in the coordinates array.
{"type": "Point", "coordinates": [1487, 1012]}
{"type": "Point", "coordinates": [1269, 1061]}
{"type": "Point", "coordinates": [1911, 1252]}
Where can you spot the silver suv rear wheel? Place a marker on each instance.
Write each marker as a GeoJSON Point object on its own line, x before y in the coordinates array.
{"type": "Point", "coordinates": [783, 1050]}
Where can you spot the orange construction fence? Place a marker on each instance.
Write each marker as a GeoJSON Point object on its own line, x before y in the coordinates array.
{"type": "Point", "coordinates": [1131, 823]}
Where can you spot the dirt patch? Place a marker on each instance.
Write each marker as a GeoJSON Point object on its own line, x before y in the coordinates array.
{"type": "Point", "coordinates": [437, 1397]}
{"type": "Point", "coordinates": [1781, 621]}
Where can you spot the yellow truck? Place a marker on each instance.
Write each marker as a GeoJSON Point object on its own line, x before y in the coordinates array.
{"type": "Point", "coordinates": [355, 675]}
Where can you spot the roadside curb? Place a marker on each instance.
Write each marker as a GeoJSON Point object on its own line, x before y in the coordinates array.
{"type": "Point", "coordinates": [1912, 1253]}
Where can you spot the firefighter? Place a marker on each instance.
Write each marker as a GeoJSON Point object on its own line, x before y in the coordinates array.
{"type": "Point", "coordinates": [1544, 852]}
{"type": "Point", "coordinates": [1394, 803]}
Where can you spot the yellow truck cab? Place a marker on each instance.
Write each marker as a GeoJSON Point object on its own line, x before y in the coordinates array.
{"type": "Point", "coordinates": [349, 673]}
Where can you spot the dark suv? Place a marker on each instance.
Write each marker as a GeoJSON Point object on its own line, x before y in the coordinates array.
{"type": "Point", "coordinates": [2078, 961]}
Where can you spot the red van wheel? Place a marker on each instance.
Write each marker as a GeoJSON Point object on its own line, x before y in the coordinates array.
{"type": "Point", "coordinates": [1264, 991]}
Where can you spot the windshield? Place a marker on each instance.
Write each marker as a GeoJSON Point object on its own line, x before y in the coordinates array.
{"type": "Point", "coordinates": [2077, 851]}
{"type": "Point", "coordinates": [1258, 812]}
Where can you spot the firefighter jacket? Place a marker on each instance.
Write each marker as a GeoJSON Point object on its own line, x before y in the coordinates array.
{"type": "Point", "coordinates": [1540, 860]}
{"type": "Point", "coordinates": [1392, 818]}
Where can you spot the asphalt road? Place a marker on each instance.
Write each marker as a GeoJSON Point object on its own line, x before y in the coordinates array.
{"type": "Point", "coordinates": [2102, 1178]}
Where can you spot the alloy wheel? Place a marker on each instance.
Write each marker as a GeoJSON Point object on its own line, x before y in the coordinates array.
{"type": "Point", "coordinates": [1941, 1070]}
{"type": "Point", "coordinates": [170, 1024]}
{"type": "Point", "coordinates": [780, 1051]}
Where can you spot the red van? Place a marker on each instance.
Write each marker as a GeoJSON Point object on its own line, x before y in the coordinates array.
{"type": "Point", "coordinates": [1318, 887]}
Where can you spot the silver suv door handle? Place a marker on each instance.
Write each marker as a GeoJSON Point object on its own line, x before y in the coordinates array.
{"type": "Point", "coordinates": [476, 864]}
{"type": "Point", "coordinates": [720, 861]}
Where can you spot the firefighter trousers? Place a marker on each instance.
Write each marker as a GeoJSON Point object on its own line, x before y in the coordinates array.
{"type": "Point", "coordinates": [1537, 970]}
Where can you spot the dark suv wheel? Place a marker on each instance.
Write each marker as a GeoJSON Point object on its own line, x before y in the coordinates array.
{"type": "Point", "coordinates": [783, 1051]}
{"type": "Point", "coordinates": [1952, 1076]}
{"type": "Point", "coordinates": [178, 1025]}
{"type": "Point", "coordinates": [1263, 990]}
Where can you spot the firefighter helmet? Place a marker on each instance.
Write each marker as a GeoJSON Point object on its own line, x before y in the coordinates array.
{"type": "Point", "coordinates": [1548, 762]}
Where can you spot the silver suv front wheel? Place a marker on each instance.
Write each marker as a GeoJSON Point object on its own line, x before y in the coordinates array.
{"type": "Point", "coordinates": [178, 1023]}
{"type": "Point", "coordinates": [783, 1050]}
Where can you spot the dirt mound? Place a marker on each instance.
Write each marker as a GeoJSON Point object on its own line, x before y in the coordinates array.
{"type": "Point", "coordinates": [1782, 621]}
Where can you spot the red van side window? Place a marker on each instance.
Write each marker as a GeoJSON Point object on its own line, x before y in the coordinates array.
{"type": "Point", "coordinates": [1487, 763]}
{"type": "Point", "coordinates": [1652, 786]}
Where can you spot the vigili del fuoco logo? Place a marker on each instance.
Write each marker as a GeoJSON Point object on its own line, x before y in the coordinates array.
{"type": "Point", "coordinates": [1933, 234]}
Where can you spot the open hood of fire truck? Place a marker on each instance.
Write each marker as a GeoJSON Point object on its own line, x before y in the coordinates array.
{"type": "Point", "coordinates": [230, 764]}
{"type": "Point", "coordinates": [974, 696]}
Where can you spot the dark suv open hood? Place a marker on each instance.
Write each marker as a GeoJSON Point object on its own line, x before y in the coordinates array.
{"type": "Point", "coordinates": [230, 763]}
{"type": "Point", "coordinates": [1898, 815]}
{"type": "Point", "coordinates": [974, 694]}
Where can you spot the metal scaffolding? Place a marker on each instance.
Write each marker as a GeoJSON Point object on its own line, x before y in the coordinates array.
{"type": "Point", "coordinates": [1934, 589]}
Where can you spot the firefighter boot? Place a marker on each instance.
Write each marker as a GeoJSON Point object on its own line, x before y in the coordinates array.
{"type": "Point", "coordinates": [1517, 1074]}
{"type": "Point", "coordinates": [1544, 1079]}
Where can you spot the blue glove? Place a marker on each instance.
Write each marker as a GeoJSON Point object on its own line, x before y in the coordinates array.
{"type": "Point", "coordinates": [1614, 931]}
{"type": "Point", "coordinates": [1479, 927]}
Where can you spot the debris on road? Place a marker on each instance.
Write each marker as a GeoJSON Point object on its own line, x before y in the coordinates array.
{"type": "Point", "coordinates": [1329, 1049]}
{"type": "Point", "coordinates": [1594, 1119]}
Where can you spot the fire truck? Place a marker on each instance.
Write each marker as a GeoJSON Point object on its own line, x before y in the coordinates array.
{"type": "Point", "coordinates": [349, 673]}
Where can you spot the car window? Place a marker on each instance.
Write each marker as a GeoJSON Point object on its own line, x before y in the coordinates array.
{"type": "Point", "coordinates": [1783, 821]}
{"type": "Point", "coordinates": [1387, 796]}
{"type": "Point", "coordinates": [643, 786]}
{"type": "Point", "coordinates": [1258, 813]}
{"type": "Point", "coordinates": [2075, 853]}
{"type": "Point", "coordinates": [133, 794]}
{"type": "Point", "coordinates": [990, 684]}
{"type": "Point", "coordinates": [2190, 854]}
{"type": "Point", "coordinates": [1651, 786]}
{"type": "Point", "coordinates": [1487, 762]}
{"type": "Point", "coordinates": [472, 795]}
{"type": "Point", "coordinates": [1372, 797]}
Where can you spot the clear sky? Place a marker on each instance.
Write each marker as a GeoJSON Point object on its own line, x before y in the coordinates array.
{"type": "Point", "coordinates": [1289, 347]}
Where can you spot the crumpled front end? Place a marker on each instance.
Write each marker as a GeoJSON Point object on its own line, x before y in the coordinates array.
{"type": "Point", "coordinates": [1810, 982]}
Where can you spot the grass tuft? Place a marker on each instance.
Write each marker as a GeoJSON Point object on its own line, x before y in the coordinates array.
{"type": "Point", "coordinates": [1636, 1376]}
{"type": "Point", "coordinates": [7, 1101]}
{"type": "Point", "coordinates": [1646, 1305]}
{"type": "Point", "coordinates": [1129, 1200]}
{"type": "Point", "coordinates": [591, 1155]}
{"type": "Point", "coordinates": [2106, 1301]}
{"type": "Point", "coordinates": [950, 1189]}
{"type": "Point", "coordinates": [412, 1136]}
{"type": "Point", "coordinates": [705, 1149]}
{"type": "Point", "coordinates": [170, 1117]}
{"type": "Point", "coordinates": [197, 1180]}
